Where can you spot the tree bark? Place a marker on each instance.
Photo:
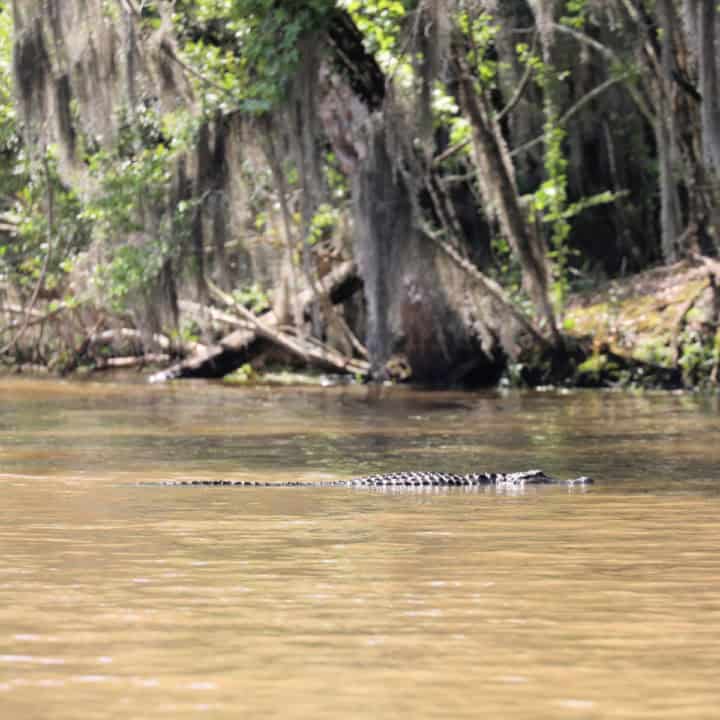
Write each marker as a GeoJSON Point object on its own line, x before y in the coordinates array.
{"type": "Point", "coordinates": [501, 197]}
{"type": "Point", "coordinates": [667, 143]}
{"type": "Point", "coordinates": [709, 89]}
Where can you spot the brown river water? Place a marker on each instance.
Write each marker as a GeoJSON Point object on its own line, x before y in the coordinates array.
{"type": "Point", "coordinates": [122, 600]}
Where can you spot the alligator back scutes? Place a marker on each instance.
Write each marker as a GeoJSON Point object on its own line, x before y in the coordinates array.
{"type": "Point", "coordinates": [408, 479]}
{"type": "Point", "coordinates": [444, 479]}
{"type": "Point", "coordinates": [421, 478]}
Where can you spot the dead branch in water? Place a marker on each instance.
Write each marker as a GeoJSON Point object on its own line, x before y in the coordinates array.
{"type": "Point", "coordinates": [120, 334]}
{"type": "Point", "coordinates": [116, 363]}
{"type": "Point", "coordinates": [312, 354]}
{"type": "Point", "coordinates": [243, 344]}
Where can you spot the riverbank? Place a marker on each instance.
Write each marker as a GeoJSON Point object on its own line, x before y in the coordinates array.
{"type": "Point", "coordinates": [656, 329]}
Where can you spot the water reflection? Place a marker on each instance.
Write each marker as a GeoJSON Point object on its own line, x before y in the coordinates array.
{"type": "Point", "coordinates": [120, 600]}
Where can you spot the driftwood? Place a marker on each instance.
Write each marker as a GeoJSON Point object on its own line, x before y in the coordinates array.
{"type": "Point", "coordinates": [241, 345]}
{"type": "Point", "coordinates": [126, 334]}
{"type": "Point", "coordinates": [314, 353]}
{"type": "Point", "coordinates": [115, 363]}
{"type": "Point", "coordinates": [203, 312]}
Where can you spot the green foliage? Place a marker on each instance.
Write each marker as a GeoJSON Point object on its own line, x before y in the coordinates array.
{"type": "Point", "coordinates": [550, 201]}
{"type": "Point", "coordinates": [243, 375]}
{"type": "Point", "coordinates": [246, 51]}
{"type": "Point", "coordinates": [337, 182]}
{"type": "Point", "coordinates": [131, 269]}
{"type": "Point", "coordinates": [380, 22]}
{"type": "Point", "coordinates": [111, 10]}
{"type": "Point", "coordinates": [188, 333]}
{"type": "Point", "coordinates": [323, 223]}
{"type": "Point", "coordinates": [602, 198]}
{"type": "Point", "coordinates": [178, 129]}
{"type": "Point", "coordinates": [23, 252]}
{"type": "Point", "coordinates": [569, 324]}
{"type": "Point", "coordinates": [130, 201]}
{"type": "Point", "coordinates": [657, 352]}
{"type": "Point", "coordinates": [130, 178]}
{"type": "Point", "coordinates": [480, 31]}
{"type": "Point", "coordinates": [595, 365]}
{"type": "Point", "coordinates": [15, 168]}
{"type": "Point", "coordinates": [576, 12]}
{"type": "Point", "coordinates": [253, 298]}
{"type": "Point", "coordinates": [700, 355]}
{"type": "Point", "coordinates": [528, 57]}
{"type": "Point", "coordinates": [126, 186]}
{"type": "Point", "coordinates": [507, 266]}
{"type": "Point", "coordinates": [10, 142]}
{"type": "Point", "coordinates": [460, 131]}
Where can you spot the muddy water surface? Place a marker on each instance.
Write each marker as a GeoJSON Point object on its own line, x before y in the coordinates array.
{"type": "Point", "coordinates": [120, 600]}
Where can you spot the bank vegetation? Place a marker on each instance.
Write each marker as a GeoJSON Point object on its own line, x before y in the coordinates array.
{"type": "Point", "coordinates": [447, 192]}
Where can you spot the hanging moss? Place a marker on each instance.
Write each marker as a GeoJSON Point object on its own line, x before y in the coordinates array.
{"type": "Point", "coordinates": [31, 71]}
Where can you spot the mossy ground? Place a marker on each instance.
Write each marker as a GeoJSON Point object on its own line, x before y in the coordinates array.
{"type": "Point", "coordinates": [644, 319]}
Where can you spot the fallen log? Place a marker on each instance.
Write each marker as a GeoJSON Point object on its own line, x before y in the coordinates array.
{"type": "Point", "coordinates": [115, 363]}
{"type": "Point", "coordinates": [243, 344]}
{"type": "Point", "coordinates": [314, 353]}
{"type": "Point", "coordinates": [118, 335]}
{"type": "Point", "coordinates": [217, 317]}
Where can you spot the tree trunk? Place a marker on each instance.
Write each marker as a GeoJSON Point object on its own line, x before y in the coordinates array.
{"type": "Point", "coordinates": [417, 307]}
{"type": "Point", "coordinates": [501, 196]}
{"type": "Point", "coordinates": [666, 139]}
{"type": "Point", "coordinates": [709, 89]}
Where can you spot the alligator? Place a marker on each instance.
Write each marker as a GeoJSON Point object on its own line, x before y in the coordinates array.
{"type": "Point", "coordinates": [409, 479]}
